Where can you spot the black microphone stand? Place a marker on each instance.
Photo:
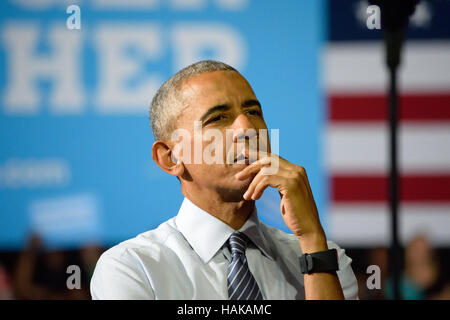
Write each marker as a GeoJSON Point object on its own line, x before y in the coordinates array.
{"type": "Point", "coordinates": [394, 21]}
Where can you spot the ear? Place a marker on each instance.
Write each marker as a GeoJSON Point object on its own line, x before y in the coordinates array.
{"type": "Point", "coordinates": [162, 155]}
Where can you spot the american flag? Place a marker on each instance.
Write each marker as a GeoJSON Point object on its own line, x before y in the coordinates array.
{"type": "Point", "coordinates": [356, 135]}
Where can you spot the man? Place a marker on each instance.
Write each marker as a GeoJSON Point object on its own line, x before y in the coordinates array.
{"type": "Point", "coordinates": [216, 248]}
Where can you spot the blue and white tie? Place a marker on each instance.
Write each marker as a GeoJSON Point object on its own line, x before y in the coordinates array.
{"type": "Point", "coordinates": [241, 283]}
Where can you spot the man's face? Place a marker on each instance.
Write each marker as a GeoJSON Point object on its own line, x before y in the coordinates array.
{"type": "Point", "coordinates": [224, 102]}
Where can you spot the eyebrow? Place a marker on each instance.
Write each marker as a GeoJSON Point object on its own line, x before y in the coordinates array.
{"type": "Point", "coordinates": [251, 103]}
{"type": "Point", "coordinates": [224, 107]}
{"type": "Point", "coordinates": [221, 107]}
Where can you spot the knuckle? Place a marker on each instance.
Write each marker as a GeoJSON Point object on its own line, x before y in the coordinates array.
{"type": "Point", "coordinates": [300, 173]}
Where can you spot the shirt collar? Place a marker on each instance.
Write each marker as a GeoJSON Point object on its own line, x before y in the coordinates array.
{"type": "Point", "coordinates": [206, 234]}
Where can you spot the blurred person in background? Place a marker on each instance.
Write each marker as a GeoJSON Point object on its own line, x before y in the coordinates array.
{"type": "Point", "coordinates": [40, 273]}
{"type": "Point", "coordinates": [423, 267]}
{"type": "Point", "coordinates": [31, 279]}
{"type": "Point", "coordinates": [423, 277]}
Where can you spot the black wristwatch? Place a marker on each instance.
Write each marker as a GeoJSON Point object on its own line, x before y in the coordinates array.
{"type": "Point", "coordinates": [323, 261]}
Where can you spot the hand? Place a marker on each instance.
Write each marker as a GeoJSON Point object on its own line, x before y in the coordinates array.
{"type": "Point", "coordinates": [297, 206]}
{"type": "Point", "coordinates": [299, 212]}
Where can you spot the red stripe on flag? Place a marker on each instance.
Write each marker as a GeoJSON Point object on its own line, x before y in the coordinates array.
{"type": "Point", "coordinates": [373, 107]}
{"type": "Point", "coordinates": [374, 188]}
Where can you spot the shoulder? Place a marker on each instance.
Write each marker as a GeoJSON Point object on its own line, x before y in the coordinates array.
{"type": "Point", "coordinates": [120, 271]}
{"type": "Point", "coordinates": [151, 242]}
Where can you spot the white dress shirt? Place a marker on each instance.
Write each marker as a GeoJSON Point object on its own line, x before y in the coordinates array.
{"type": "Point", "coordinates": [186, 257]}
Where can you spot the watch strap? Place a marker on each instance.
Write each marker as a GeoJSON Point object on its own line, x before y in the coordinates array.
{"type": "Point", "coordinates": [322, 261]}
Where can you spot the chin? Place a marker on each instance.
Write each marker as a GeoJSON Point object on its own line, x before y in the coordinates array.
{"type": "Point", "coordinates": [235, 191]}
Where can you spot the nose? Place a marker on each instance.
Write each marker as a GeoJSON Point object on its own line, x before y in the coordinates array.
{"type": "Point", "coordinates": [240, 126]}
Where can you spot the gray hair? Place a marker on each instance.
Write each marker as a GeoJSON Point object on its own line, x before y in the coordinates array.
{"type": "Point", "coordinates": [166, 103]}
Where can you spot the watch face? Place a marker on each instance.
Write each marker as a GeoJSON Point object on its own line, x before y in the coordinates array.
{"type": "Point", "coordinates": [309, 263]}
{"type": "Point", "coordinates": [306, 263]}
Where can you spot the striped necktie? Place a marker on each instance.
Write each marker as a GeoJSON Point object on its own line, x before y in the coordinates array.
{"type": "Point", "coordinates": [241, 283]}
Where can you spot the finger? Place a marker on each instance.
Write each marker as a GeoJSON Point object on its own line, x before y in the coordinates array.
{"type": "Point", "coordinates": [248, 194]}
{"type": "Point", "coordinates": [274, 181]}
{"type": "Point", "coordinates": [253, 168]}
{"type": "Point", "coordinates": [271, 180]}
{"type": "Point", "coordinates": [260, 188]}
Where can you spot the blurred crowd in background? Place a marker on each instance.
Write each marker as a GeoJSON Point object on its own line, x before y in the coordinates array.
{"type": "Point", "coordinates": [38, 273]}
{"type": "Point", "coordinates": [424, 271]}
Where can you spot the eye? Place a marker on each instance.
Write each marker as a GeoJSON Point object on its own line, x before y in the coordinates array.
{"type": "Point", "coordinates": [254, 112]}
{"type": "Point", "coordinates": [216, 118]}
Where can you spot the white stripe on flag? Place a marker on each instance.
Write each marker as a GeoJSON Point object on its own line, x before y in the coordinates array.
{"type": "Point", "coordinates": [369, 225]}
{"type": "Point", "coordinates": [359, 67]}
{"type": "Point", "coordinates": [356, 148]}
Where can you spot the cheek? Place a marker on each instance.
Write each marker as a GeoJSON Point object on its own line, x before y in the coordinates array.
{"type": "Point", "coordinates": [215, 151]}
{"type": "Point", "coordinates": [208, 171]}
{"type": "Point", "coordinates": [212, 174]}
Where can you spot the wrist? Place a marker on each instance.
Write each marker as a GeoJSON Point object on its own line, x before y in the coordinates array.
{"type": "Point", "coordinates": [313, 242]}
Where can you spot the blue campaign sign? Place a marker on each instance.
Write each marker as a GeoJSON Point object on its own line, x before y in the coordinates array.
{"type": "Point", "coordinates": [76, 84]}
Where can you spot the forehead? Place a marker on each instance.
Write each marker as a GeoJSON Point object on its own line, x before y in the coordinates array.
{"type": "Point", "coordinates": [208, 89]}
